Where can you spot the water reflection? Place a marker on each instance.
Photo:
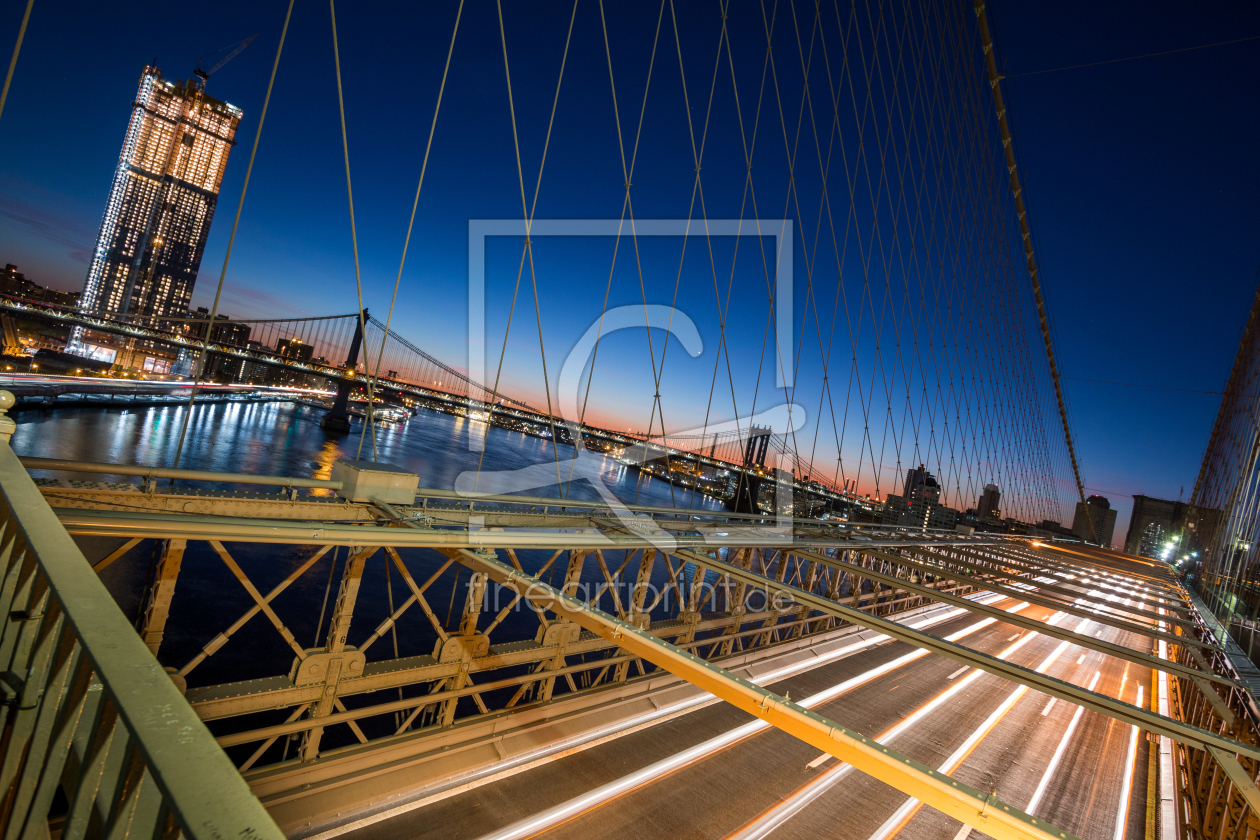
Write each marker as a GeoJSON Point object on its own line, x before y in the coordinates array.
{"type": "Point", "coordinates": [278, 438]}
{"type": "Point", "coordinates": [285, 439]}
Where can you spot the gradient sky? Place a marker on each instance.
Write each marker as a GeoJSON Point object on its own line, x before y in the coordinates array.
{"type": "Point", "coordinates": [1141, 178]}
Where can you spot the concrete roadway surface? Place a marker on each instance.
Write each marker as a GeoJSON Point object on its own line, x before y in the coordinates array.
{"type": "Point", "coordinates": [987, 732]}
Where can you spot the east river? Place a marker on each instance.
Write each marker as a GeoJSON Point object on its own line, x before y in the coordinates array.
{"type": "Point", "coordinates": [278, 438]}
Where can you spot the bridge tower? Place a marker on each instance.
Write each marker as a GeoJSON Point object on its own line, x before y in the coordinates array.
{"type": "Point", "coordinates": [748, 485]}
{"type": "Point", "coordinates": [337, 420]}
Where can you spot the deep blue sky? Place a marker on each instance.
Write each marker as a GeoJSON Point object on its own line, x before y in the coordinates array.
{"type": "Point", "coordinates": [1141, 177]}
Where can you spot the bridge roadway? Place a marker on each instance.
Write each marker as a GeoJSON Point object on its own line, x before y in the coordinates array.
{"type": "Point", "coordinates": [770, 777]}
{"type": "Point", "coordinates": [987, 733]}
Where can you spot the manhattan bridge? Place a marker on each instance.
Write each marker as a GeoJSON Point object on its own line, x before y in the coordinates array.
{"type": "Point", "coordinates": [348, 652]}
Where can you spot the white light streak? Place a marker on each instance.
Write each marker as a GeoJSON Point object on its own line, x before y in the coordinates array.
{"type": "Point", "coordinates": [903, 814]}
{"type": "Point", "coordinates": [779, 815]}
{"type": "Point", "coordinates": [566, 810]}
{"type": "Point", "coordinates": [1058, 753]}
{"type": "Point", "coordinates": [1130, 760]}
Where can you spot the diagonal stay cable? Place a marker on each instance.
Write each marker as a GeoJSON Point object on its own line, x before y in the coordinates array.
{"type": "Point", "coordinates": [627, 207]}
{"type": "Point", "coordinates": [528, 249]}
{"type": "Point", "coordinates": [697, 191]}
{"type": "Point", "coordinates": [748, 195]}
{"type": "Point", "coordinates": [424, 166]}
{"type": "Point", "coordinates": [722, 308]}
{"type": "Point", "coordinates": [218, 292]}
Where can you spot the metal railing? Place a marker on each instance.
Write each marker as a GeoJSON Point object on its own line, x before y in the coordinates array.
{"type": "Point", "coordinates": [86, 708]}
{"type": "Point", "coordinates": [694, 600]}
{"type": "Point", "coordinates": [1215, 795]}
{"type": "Point", "coordinates": [430, 499]}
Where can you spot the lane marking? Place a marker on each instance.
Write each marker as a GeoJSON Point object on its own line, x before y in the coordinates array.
{"type": "Point", "coordinates": [539, 822]}
{"type": "Point", "coordinates": [963, 833]}
{"type": "Point", "coordinates": [1058, 753]}
{"type": "Point", "coordinates": [1081, 659]}
{"type": "Point", "coordinates": [1013, 638]}
{"type": "Point", "coordinates": [817, 761]}
{"type": "Point", "coordinates": [959, 671]}
{"type": "Point", "coordinates": [910, 807]}
{"type": "Point", "coordinates": [776, 816]}
{"type": "Point", "coordinates": [1049, 706]}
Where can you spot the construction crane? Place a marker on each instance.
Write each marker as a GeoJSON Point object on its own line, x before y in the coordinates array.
{"type": "Point", "coordinates": [204, 74]}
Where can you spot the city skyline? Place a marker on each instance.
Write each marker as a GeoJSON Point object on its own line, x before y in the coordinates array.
{"type": "Point", "coordinates": [258, 279]}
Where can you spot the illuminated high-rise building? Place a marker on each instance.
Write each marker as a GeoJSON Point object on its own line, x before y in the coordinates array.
{"type": "Point", "coordinates": [921, 486]}
{"type": "Point", "coordinates": [989, 504]}
{"type": "Point", "coordinates": [1095, 521]}
{"type": "Point", "coordinates": [161, 202]}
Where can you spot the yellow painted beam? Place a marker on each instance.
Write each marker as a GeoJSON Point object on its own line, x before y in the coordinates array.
{"type": "Point", "coordinates": [985, 813]}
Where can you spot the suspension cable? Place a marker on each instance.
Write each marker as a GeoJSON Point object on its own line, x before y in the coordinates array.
{"type": "Point", "coordinates": [986, 43]}
{"type": "Point", "coordinates": [17, 48]}
{"type": "Point", "coordinates": [354, 235]}
{"type": "Point", "coordinates": [527, 252]}
{"type": "Point", "coordinates": [424, 166]}
{"type": "Point", "coordinates": [218, 291]}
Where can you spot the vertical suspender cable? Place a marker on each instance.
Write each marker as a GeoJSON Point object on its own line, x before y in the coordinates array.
{"type": "Point", "coordinates": [354, 235]}
{"type": "Point", "coordinates": [986, 43]}
{"type": "Point", "coordinates": [1231, 393]}
{"type": "Point", "coordinates": [17, 48]}
{"type": "Point", "coordinates": [214, 311]}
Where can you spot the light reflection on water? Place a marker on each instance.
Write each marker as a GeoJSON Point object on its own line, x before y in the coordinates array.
{"type": "Point", "coordinates": [284, 439]}
{"type": "Point", "coordinates": [272, 438]}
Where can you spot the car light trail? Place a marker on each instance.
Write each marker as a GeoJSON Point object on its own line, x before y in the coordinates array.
{"type": "Point", "coordinates": [524, 761]}
{"type": "Point", "coordinates": [777, 816]}
{"type": "Point", "coordinates": [907, 811]}
{"type": "Point", "coordinates": [1058, 753]}
{"type": "Point", "coordinates": [1130, 760]}
{"type": "Point", "coordinates": [606, 793]}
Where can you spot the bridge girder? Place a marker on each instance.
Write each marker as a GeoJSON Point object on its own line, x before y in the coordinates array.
{"type": "Point", "coordinates": [815, 607]}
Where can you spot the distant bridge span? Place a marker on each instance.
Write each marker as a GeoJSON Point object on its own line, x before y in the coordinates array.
{"type": "Point", "coordinates": [329, 335]}
{"type": "Point", "coordinates": [416, 374]}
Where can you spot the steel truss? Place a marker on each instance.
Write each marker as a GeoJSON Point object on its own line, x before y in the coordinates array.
{"type": "Point", "coordinates": [87, 716]}
{"type": "Point", "coordinates": [611, 611]}
{"type": "Point", "coordinates": [1212, 793]}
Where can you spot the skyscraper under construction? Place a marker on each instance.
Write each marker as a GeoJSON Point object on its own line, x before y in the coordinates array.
{"type": "Point", "coordinates": [161, 202]}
